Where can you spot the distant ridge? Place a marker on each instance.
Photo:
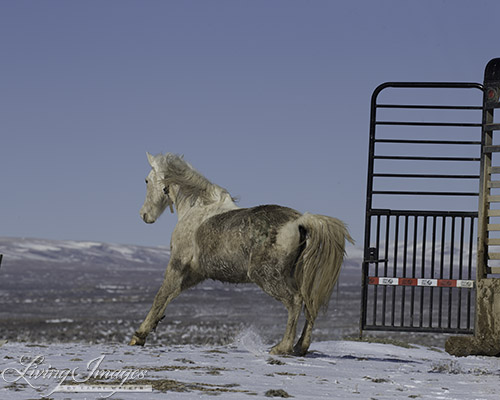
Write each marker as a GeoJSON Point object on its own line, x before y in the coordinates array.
{"type": "Point", "coordinates": [81, 252]}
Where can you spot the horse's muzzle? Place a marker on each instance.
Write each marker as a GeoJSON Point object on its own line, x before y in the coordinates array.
{"type": "Point", "coordinates": [147, 219]}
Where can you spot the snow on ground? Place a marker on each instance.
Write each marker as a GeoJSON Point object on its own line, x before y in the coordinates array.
{"type": "Point", "coordinates": [245, 370]}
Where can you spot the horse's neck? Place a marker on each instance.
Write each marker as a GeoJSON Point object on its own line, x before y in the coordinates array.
{"type": "Point", "coordinates": [174, 196]}
{"type": "Point", "coordinates": [184, 206]}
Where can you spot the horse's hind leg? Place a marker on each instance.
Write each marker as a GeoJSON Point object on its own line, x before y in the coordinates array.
{"type": "Point", "coordinates": [286, 345]}
{"type": "Point", "coordinates": [304, 341]}
{"type": "Point", "coordinates": [176, 280]}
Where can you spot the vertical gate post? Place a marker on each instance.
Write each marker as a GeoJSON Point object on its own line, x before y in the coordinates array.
{"type": "Point", "coordinates": [486, 339]}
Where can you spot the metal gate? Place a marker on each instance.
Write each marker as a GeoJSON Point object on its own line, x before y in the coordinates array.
{"type": "Point", "coordinates": [421, 208]}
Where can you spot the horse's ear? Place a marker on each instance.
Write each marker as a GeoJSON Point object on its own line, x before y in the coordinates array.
{"type": "Point", "coordinates": [150, 159]}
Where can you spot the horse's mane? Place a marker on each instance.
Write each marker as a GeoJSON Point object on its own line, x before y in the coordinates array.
{"type": "Point", "coordinates": [192, 185]}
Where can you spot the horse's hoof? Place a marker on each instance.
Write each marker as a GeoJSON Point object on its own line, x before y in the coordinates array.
{"type": "Point", "coordinates": [137, 341]}
{"type": "Point", "coordinates": [299, 352]}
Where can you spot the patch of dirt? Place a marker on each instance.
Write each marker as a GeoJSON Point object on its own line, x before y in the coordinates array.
{"type": "Point", "coordinates": [171, 385]}
{"type": "Point", "coordinates": [277, 393]}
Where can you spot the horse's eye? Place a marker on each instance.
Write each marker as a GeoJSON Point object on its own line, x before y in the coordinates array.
{"type": "Point", "coordinates": [147, 181]}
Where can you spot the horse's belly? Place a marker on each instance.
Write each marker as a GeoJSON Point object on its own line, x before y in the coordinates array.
{"type": "Point", "coordinates": [224, 270]}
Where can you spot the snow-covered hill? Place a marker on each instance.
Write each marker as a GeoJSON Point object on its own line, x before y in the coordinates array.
{"type": "Point", "coordinates": [69, 251]}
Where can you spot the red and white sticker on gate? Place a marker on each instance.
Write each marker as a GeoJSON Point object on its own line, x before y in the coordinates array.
{"type": "Point", "coordinates": [451, 283]}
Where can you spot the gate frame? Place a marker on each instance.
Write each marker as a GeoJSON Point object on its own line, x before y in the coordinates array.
{"type": "Point", "coordinates": [486, 339]}
{"type": "Point", "coordinates": [371, 255]}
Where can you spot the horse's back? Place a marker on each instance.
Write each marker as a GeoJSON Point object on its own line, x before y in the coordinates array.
{"type": "Point", "coordinates": [231, 242]}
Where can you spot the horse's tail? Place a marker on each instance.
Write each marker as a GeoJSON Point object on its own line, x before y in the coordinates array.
{"type": "Point", "coordinates": [321, 259]}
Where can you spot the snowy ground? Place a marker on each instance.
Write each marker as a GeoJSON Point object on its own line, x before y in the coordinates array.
{"type": "Point", "coordinates": [214, 341]}
{"type": "Point", "coordinates": [244, 369]}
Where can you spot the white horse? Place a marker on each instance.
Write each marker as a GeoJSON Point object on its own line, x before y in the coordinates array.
{"type": "Point", "coordinates": [295, 258]}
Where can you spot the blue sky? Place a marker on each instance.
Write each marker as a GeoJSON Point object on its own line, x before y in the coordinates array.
{"type": "Point", "coordinates": [269, 99]}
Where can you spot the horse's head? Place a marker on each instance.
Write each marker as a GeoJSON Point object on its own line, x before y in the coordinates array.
{"type": "Point", "coordinates": [157, 193]}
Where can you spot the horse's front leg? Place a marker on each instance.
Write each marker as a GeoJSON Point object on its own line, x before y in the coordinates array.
{"type": "Point", "coordinates": [286, 345]}
{"type": "Point", "coordinates": [176, 280]}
